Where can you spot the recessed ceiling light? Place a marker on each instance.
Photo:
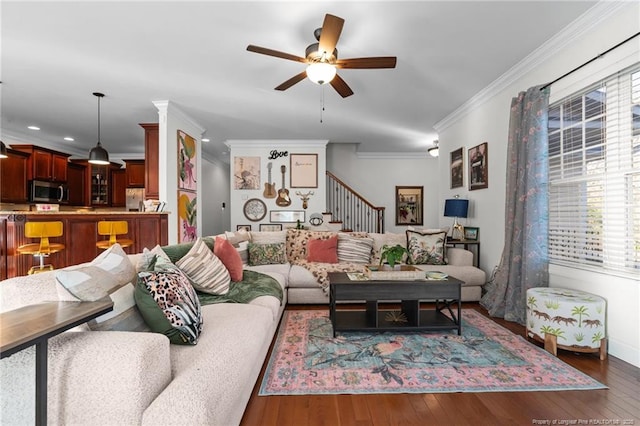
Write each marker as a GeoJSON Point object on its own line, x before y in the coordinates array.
{"type": "Point", "coordinates": [206, 140]}
{"type": "Point", "coordinates": [33, 127]}
{"type": "Point", "coordinates": [68, 138]}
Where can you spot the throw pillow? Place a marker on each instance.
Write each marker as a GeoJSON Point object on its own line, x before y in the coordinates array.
{"type": "Point", "coordinates": [206, 272]}
{"type": "Point", "coordinates": [324, 251]}
{"type": "Point", "coordinates": [169, 305]}
{"type": "Point", "coordinates": [426, 248]}
{"type": "Point", "coordinates": [352, 249]}
{"type": "Point", "coordinates": [386, 239]}
{"type": "Point", "coordinates": [175, 252]}
{"type": "Point", "coordinates": [266, 254]}
{"type": "Point", "coordinates": [229, 257]}
{"type": "Point", "coordinates": [268, 237]}
{"type": "Point", "coordinates": [112, 275]}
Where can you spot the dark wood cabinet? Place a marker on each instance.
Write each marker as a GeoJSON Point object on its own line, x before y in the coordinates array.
{"type": "Point", "coordinates": [77, 184]}
{"type": "Point", "coordinates": [44, 163]}
{"type": "Point", "coordinates": [152, 161]}
{"type": "Point", "coordinates": [118, 188]}
{"type": "Point", "coordinates": [97, 186]}
{"type": "Point", "coordinates": [135, 173]}
{"type": "Point", "coordinates": [13, 177]}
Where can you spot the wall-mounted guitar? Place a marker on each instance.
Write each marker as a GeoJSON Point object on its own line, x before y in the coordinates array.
{"type": "Point", "coordinates": [283, 199]}
{"type": "Point", "coordinates": [269, 188]}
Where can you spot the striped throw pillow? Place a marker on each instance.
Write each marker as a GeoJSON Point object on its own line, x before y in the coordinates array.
{"type": "Point", "coordinates": [206, 272]}
{"type": "Point", "coordinates": [353, 249]}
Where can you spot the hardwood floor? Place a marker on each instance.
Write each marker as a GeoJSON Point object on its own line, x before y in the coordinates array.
{"type": "Point", "coordinates": [618, 405]}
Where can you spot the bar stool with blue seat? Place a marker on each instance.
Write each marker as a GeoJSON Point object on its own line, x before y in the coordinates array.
{"type": "Point", "coordinates": [42, 249]}
{"type": "Point", "coordinates": [113, 228]}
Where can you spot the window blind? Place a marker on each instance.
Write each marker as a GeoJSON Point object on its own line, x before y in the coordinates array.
{"type": "Point", "coordinates": [594, 175]}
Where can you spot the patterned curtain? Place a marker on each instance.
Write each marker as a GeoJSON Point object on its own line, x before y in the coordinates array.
{"type": "Point", "coordinates": [524, 262]}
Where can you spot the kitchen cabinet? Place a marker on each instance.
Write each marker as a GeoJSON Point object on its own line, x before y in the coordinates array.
{"type": "Point", "coordinates": [77, 184]}
{"type": "Point", "coordinates": [44, 163]}
{"type": "Point", "coordinates": [13, 177]}
{"type": "Point", "coordinates": [135, 173]}
{"type": "Point", "coordinates": [118, 187]}
{"type": "Point", "coordinates": [97, 178]}
{"type": "Point", "coordinates": [152, 161]}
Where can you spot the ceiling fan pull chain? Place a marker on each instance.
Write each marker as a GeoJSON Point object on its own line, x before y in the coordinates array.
{"type": "Point", "coordinates": [321, 103]}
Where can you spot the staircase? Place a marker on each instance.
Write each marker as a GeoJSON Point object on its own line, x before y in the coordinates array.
{"type": "Point", "coordinates": [350, 209]}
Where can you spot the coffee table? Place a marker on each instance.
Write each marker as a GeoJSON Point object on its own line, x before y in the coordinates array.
{"type": "Point", "coordinates": [375, 294]}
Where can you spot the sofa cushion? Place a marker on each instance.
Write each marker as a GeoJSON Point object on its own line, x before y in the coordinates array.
{"type": "Point", "coordinates": [229, 257]}
{"type": "Point", "coordinates": [206, 272]}
{"type": "Point", "coordinates": [169, 305]}
{"type": "Point", "coordinates": [112, 275]}
{"type": "Point", "coordinates": [354, 249]}
{"type": "Point", "coordinates": [325, 251]}
{"type": "Point", "coordinates": [268, 237]}
{"type": "Point", "coordinates": [265, 254]}
{"type": "Point", "coordinates": [426, 247]}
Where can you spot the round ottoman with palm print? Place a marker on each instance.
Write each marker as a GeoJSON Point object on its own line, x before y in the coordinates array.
{"type": "Point", "coordinates": [567, 319]}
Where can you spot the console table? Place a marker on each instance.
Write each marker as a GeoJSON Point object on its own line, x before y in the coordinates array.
{"type": "Point", "coordinates": [445, 293]}
{"type": "Point", "coordinates": [34, 325]}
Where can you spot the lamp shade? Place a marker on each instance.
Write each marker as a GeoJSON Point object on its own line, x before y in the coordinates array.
{"type": "Point", "coordinates": [98, 155]}
{"type": "Point", "coordinates": [3, 150]}
{"type": "Point", "coordinates": [321, 72]}
{"type": "Point", "coordinates": [456, 207]}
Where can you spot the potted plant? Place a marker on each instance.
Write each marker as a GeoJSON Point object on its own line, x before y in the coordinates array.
{"type": "Point", "coordinates": [392, 254]}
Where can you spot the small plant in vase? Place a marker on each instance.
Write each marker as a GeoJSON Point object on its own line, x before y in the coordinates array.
{"type": "Point", "coordinates": [392, 254]}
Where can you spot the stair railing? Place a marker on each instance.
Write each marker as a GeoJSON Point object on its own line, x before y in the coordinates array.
{"type": "Point", "coordinates": [352, 209]}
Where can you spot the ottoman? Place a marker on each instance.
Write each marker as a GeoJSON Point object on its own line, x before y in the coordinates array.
{"type": "Point", "coordinates": [567, 319]}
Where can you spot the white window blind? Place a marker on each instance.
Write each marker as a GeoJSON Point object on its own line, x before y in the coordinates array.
{"type": "Point", "coordinates": [594, 176]}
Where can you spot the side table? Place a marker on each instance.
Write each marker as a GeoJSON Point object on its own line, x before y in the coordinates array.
{"type": "Point", "coordinates": [466, 244]}
{"type": "Point", "coordinates": [34, 325]}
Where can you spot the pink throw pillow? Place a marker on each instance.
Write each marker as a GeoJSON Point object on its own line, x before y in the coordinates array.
{"type": "Point", "coordinates": [324, 251]}
{"type": "Point", "coordinates": [230, 258]}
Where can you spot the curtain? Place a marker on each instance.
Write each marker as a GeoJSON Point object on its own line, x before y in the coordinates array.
{"type": "Point", "coordinates": [524, 261]}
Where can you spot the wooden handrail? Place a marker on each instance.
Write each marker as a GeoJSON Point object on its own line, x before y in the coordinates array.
{"type": "Point", "coordinates": [360, 197]}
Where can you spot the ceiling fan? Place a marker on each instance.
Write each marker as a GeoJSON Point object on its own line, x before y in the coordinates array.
{"type": "Point", "coordinates": [322, 59]}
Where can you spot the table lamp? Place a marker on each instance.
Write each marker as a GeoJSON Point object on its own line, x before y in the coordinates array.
{"type": "Point", "coordinates": [456, 208]}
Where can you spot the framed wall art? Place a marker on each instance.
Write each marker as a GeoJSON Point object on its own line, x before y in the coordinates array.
{"type": "Point", "coordinates": [246, 173]}
{"type": "Point", "coordinates": [187, 214]}
{"type": "Point", "coordinates": [186, 162]}
{"type": "Point", "coordinates": [409, 205]}
{"type": "Point", "coordinates": [303, 171]}
{"type": "Point", "coordinates": [471, 233]}
{"type": "Point", "coordinates": [243, 227]}
{"type": "Point", "coordinates": [286, 216]}
{"type": "Point", "coordinates": [270, 227]}
{"type": "Point", "coordinates": [254, 209]}
{"type": "Point", "coordinates": [456, 168]}
{"type": "Point", "coordinates": [478, 166]}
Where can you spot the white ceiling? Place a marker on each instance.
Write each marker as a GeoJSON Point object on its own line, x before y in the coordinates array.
{"type": "Point", "coordinates": [55, 54]}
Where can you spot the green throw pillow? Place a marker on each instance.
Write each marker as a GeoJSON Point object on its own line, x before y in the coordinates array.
{"type": "Point", "coordinates": [266, 254]}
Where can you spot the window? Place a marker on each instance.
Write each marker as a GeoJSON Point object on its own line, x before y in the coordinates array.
{"type": "Point", "coordinates": [594, 176]}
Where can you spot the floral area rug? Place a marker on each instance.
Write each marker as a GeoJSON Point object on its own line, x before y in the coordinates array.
{"type": "Point", "coordinates": [307, 359]}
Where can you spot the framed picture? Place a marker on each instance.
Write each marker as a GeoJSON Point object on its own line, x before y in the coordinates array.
{"type": "Point", "coordinates": [478, 166]}
{"type": "Point", "coordinates": [456, 168]}
{"type": "Point", "coordinates": [187, 214]}
{"type": "Point", "coordinates": [243, 227]}
{"type": "Point", "coordinates": [254, 209]}
{"type": "Point", "coordinates": [409, 205]}
{"type": "Point", "coordinates": [246, 172]}
{"type": "Point", "coordinates": [186, 162]}
{"type": "Point", "coordinates": [270, 227]}
{"type": "Point", "coordinates": [303, 171]}
{"type": "Point", "coordinates": [286, 216]}
{"type": "Point", "coordinates": [471, 233]}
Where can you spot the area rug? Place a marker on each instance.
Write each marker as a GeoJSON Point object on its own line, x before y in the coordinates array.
{"type": "Point", "coordinates": [307, 359]}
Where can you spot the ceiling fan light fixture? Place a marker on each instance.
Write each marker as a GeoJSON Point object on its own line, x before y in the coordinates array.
{"type": "Point", "coordinates": [434, 151]}
{"type": "Point", "coordinates": [321, 72]}
{"type": "Point", "coordinates": [98, 155]}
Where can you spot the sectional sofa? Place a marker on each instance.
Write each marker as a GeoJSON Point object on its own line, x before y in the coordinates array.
{"type": "Point", "coordinates": [118, 371]}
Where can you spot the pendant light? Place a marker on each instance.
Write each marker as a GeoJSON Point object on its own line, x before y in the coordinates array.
{"type": "Point", "coordinates": [98, 155]}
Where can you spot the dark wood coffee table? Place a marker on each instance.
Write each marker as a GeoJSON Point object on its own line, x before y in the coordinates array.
{"type": "Point", "coordinates": [373, 294]}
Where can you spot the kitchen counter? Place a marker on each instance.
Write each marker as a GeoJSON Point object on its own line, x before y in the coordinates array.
{"type": "Point", "coordinates": [80, 234]}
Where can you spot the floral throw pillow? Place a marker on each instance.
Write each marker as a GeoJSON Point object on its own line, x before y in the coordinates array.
{"type": "Point", "coordinates": [426, 248]}
{"type": "Point", "coordinates": [266, 254]}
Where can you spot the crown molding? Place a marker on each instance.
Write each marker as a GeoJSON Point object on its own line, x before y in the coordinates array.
{"type": "Point", "coordinates": [583, 24]}
{"type": "Point", "coordinates": [392, 155]}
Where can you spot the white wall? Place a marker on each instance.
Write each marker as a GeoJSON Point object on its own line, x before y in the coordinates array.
{"type": "Point", "coordinates": [486, 119]}
{"type": "Point", "coordinates": [215, 191]}
{"type": "Point", "coordinates": [375, 177]}
{"type": "Point", "coordinates": [262, 149]}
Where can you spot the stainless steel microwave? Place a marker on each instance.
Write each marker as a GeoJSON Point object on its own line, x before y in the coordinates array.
{"type": "Point", "coordinates": [48, 192]}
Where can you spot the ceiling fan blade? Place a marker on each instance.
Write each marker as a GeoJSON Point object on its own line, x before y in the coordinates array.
{"type": "Point", "coordinates": [341, 86]}
{"type": "Point", "coordinates": [376, 62]}
{"type": "Point", "coordinates": [331, 29]}
{"type": "Point", "coordinates": [276, 53]}
{"type": "Point", "coordinates": [293, 80]}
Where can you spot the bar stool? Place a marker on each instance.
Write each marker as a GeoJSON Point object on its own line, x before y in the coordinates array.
{"type": "Point", "coordinates": [113, 228]}
{"type": "Point", "coordinates": [44, 248]}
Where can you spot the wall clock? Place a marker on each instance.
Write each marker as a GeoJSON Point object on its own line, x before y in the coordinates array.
{"type": "Point", "coordinates": [255, 209]}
